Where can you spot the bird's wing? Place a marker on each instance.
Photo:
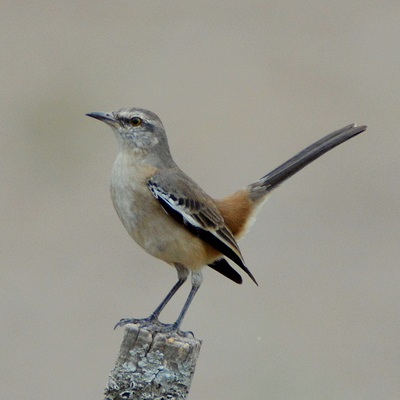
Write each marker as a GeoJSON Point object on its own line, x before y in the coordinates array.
{"type": "Point", "coordinates": [189, 205]}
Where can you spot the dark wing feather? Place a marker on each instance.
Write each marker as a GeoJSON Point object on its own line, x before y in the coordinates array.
{"type": "Point", "coordinates": [203, 221]}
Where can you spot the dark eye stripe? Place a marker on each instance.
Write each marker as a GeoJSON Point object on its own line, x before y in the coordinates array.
{"type": "Point", "coordinates": [124, 120]}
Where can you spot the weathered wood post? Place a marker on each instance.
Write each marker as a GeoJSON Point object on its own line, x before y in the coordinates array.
{"type": "Point", "coordinates": [153, 365]}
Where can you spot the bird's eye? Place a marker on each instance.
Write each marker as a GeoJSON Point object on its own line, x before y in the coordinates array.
{"type": "Point", "coordinates": [135, 121]}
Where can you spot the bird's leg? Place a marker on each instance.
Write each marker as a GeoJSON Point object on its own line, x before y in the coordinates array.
{"type": "Point", "coordinates": [197, 279]}
{"type": "Point", "coordinates": [155, 314]}
{"type": "Point", "coordinates": [153, 318]}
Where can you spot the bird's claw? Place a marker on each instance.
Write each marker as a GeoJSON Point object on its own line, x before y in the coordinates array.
{"type": "Point", "coordinates": [142, 322]}
{"type": "Point", "coordinates": [155, 325]}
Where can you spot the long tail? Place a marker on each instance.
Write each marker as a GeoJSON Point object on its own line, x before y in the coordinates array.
{"type": "Point", "coordinates": [267, 183]}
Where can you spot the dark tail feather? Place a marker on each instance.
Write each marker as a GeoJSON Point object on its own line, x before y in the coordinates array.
{"type": "Point", "coordinates": [222, 266]}
{"type": "Point", "coordinates": [305, 157]}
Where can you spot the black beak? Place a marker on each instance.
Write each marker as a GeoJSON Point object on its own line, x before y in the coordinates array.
{"type": "Point", "coordinates": [108, 118]}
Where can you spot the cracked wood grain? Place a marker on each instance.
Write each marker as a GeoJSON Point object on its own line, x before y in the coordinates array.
{"type": "Point", "coordinates": [153, 365]}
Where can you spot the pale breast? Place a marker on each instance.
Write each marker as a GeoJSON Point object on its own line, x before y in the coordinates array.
{"type": "Point", "coordinates": [146, 221]}
{"type": "Point", "coordinates": [131, 198]}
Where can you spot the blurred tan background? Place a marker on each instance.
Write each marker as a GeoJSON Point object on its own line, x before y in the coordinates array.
{"type": "Point", "coordinates": [240, 86]}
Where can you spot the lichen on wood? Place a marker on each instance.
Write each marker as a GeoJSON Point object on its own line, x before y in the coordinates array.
{"type": "Point", "coordinates": [153, 365]}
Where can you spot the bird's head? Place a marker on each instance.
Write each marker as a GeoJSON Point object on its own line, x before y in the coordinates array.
{"type": "Point", "coordinates": [136, 129]}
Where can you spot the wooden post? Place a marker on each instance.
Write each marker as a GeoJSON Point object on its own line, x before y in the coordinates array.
{"type": "Point", "coordinates": [153, 365]}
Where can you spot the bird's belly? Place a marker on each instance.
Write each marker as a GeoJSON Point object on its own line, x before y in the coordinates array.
{"type": "Point", "coordinates": [157, 232]}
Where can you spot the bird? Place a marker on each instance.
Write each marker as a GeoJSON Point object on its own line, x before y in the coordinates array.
{"type": "Point", "coordinates": [172, 218]}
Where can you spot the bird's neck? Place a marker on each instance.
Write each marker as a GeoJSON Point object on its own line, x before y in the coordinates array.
{"type": "Point", "coordinates": [131, 166]}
